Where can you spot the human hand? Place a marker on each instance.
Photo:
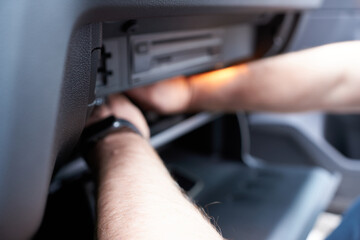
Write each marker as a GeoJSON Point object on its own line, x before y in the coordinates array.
{"type": "Point", "coordinates": [118, 143]}
{"type": "Point", "coordinates": [166, 97]}
{"type": "Point", "coordinates": [119, 106]}
{"type": "Point", "coordinates": [212, 91]}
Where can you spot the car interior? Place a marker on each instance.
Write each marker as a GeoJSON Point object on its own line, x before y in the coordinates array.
{"type": "Point", "coordinates": [259, 176]}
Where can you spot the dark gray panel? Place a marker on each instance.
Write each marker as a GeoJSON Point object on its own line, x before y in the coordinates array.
{"type": "Point", "coordinates": [342, 4]}
{"type": "Point", "coordinates": [264, 203]}
{"type": "Point", "coordinates": [304, 137]}
{"type": "Point", "coordinates": [326, 26]}
{"type": "Point", "coordinates": [116, 66]}
{"type": "Point", "coordinates": [343, 132]}
{"type": "Point", "coordinates": [238, 43]}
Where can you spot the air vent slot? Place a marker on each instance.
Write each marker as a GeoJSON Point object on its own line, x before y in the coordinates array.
{"type": "Point", "coordinates": [182, 39]}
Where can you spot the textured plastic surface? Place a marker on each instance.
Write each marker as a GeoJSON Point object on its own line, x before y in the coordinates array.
{"type": "Point", "coordinates": [314, 26]}
{"type": "Point", "coordinates": [35, 39]}
{"type": "Point", "coordinates": [298, 139]}
{"type": "Point", "coordinates": [267, 203]}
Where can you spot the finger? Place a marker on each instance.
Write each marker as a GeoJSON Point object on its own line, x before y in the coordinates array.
{"type": "Point", "coordinates": [119, 102]}
{"type": "Point", "coordinates": [98, 113]}
{"type": "Point", "coordinates": [142, 96]}
{"type": "Point", "coordinates": [123, 108]}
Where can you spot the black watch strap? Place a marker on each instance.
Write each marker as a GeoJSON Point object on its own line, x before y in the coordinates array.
{"type": "Point", "coordinates": [95, 132]}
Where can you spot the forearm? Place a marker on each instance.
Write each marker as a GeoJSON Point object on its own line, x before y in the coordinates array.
{"type": "Point", "coordinates": [139, 200]}
{"type": "Point", "coordinates": [323, 78]}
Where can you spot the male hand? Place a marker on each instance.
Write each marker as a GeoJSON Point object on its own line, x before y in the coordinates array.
{"type": "Point", "coordinates": [207, 91]}
{"type": "Point", "coordinates": [170, 96]}
{"type": "Point", "coordinates": [119, 106]}
{"type": "Point", "coordinates": [116, 143]}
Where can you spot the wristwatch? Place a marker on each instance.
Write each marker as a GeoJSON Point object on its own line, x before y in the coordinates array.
{"type": "Point", "coordinates": [97, 131]}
